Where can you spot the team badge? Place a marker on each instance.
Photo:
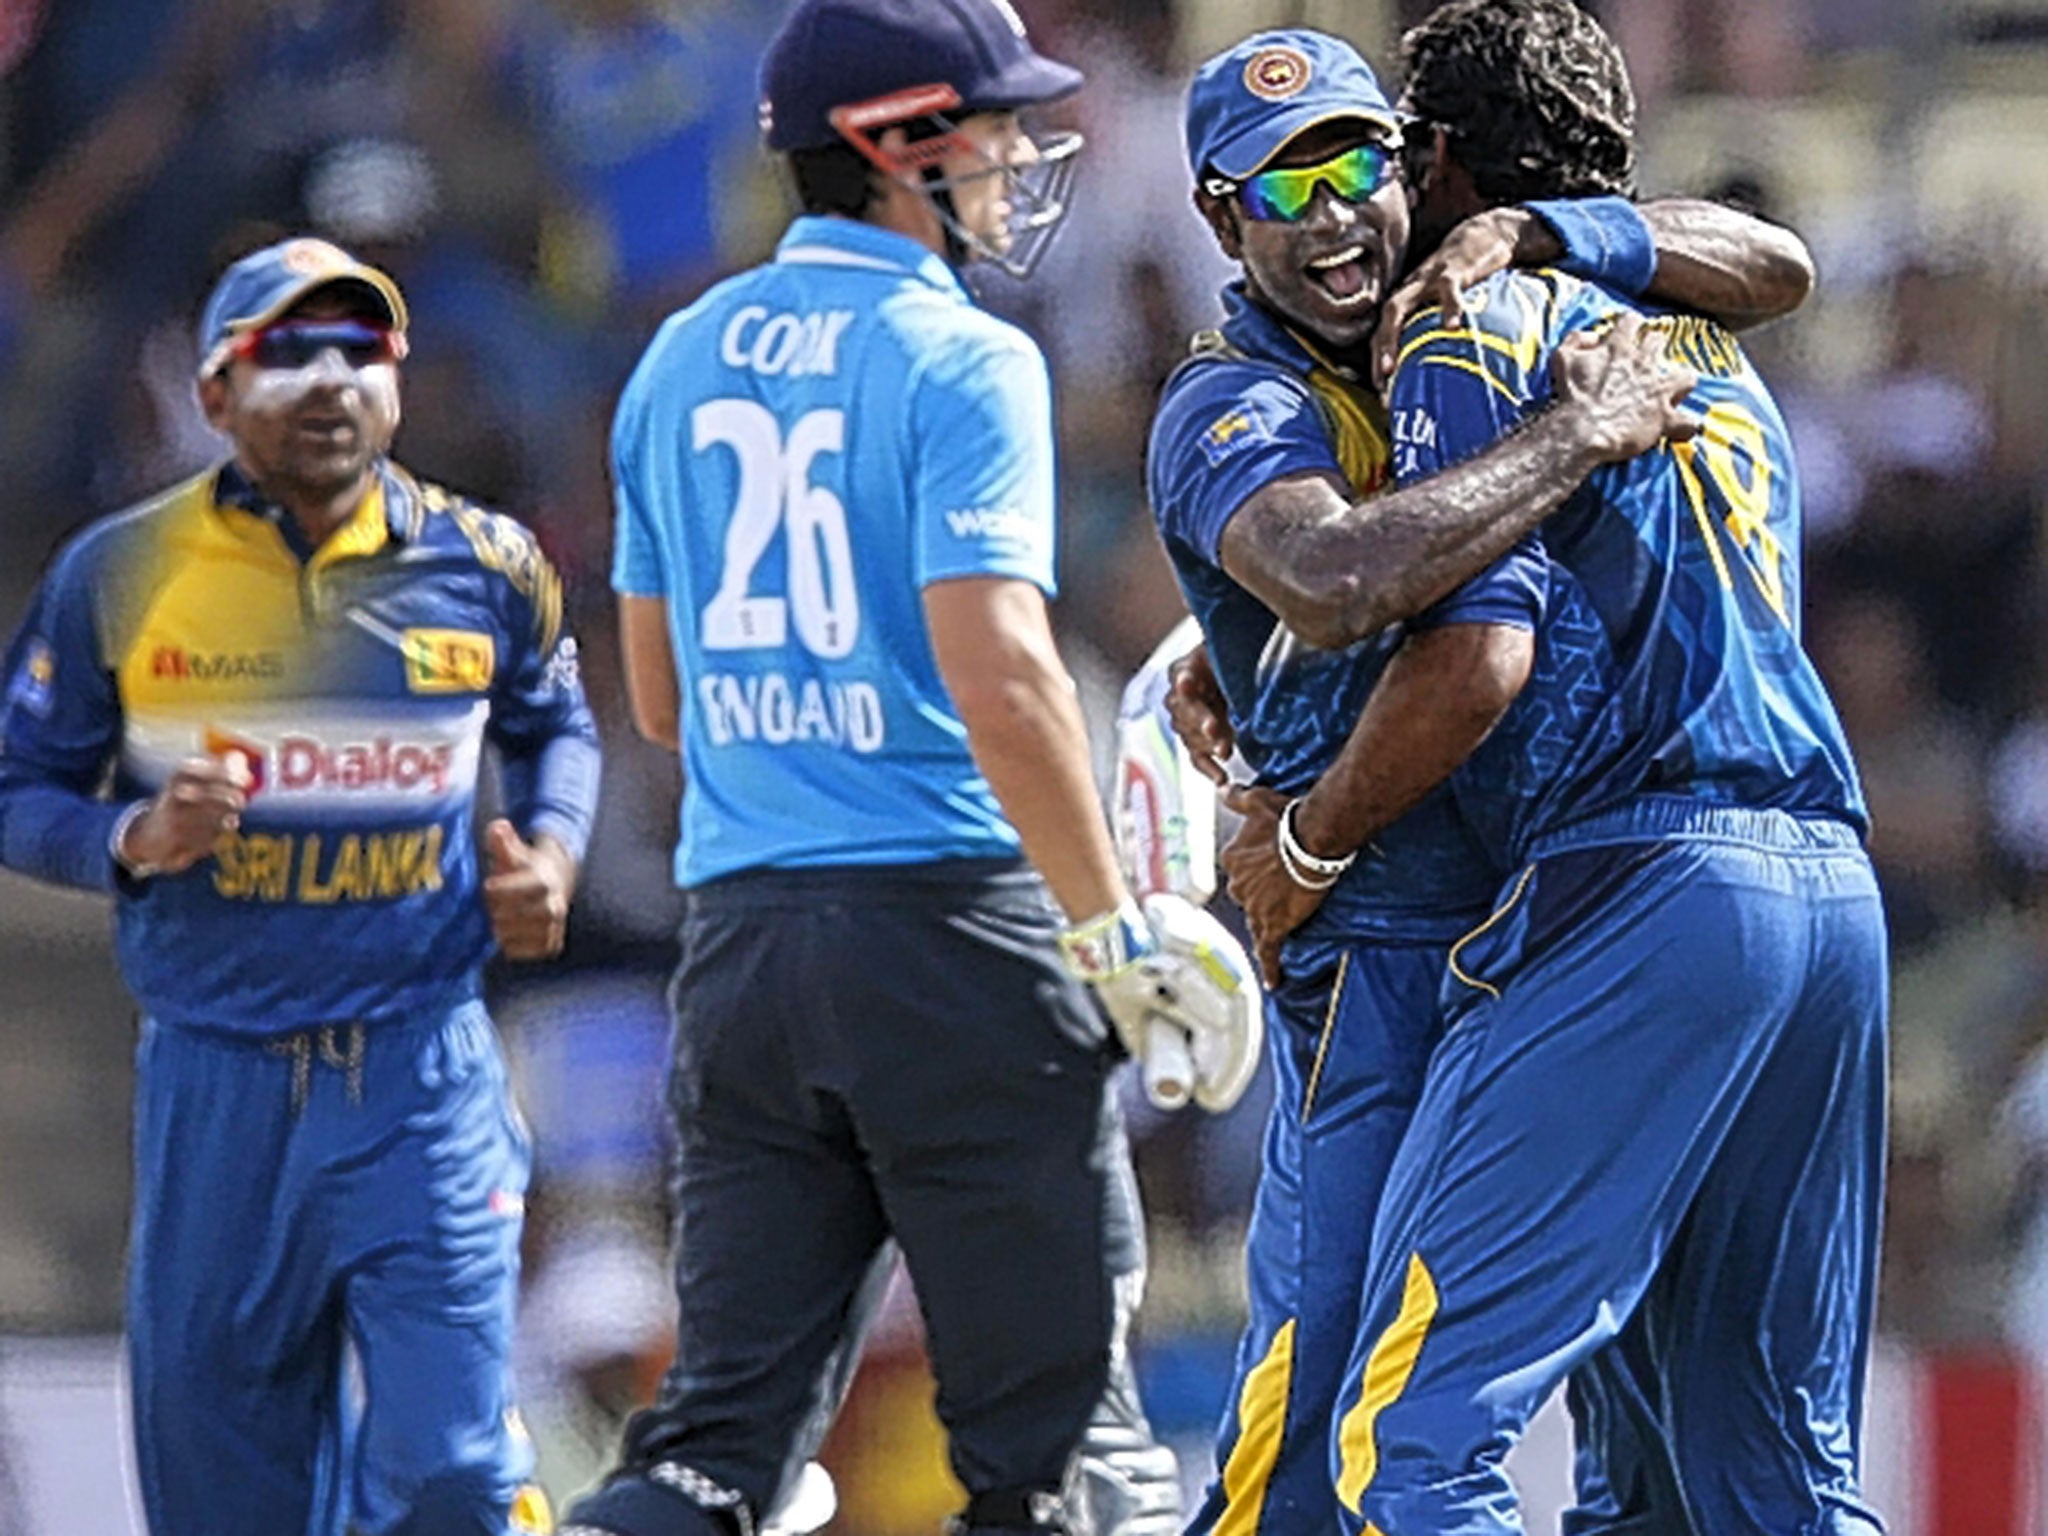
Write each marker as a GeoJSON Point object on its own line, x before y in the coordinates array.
{"type": "Point", "coordinates": [35, 681]}
{"type": "Point", "coordinates": [307, 257]}
{"type": "Point", "coordinates": [1276, 73]}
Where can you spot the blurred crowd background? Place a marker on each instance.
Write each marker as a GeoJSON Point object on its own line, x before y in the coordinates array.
{"type": "Point", "coordinates": [548, 178]}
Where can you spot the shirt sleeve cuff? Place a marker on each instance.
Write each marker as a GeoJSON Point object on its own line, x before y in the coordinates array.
{"type": "Point", "coordinates": [1606, 240]}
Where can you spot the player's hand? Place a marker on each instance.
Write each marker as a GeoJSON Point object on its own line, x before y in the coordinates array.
{"type": "Point", "coordinates": [1626, 391]}
{"type": "Point", "coordinates": [1181, 995]}
{"type": "Point", "coordinates": [1472, 252]}
{"type": "Point", "coordinates": [526, 892]}
{"type": "Point", "coordinates": [202, 802]}
{"type": "Point", "coordinates": [1201, 718]}
{"type": "Point", "coordinates": [1274, 903]}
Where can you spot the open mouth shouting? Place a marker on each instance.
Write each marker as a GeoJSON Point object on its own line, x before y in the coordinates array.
{"type": "Point", "coordinates": [1344, 277]}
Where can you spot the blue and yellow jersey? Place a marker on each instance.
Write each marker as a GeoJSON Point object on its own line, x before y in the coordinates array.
{"type": "Point", "coordinates": [1255, 405]}
{"type": "Point", "coordinates": [800, 454]}
{"type": "Point", "coordinates": [358, 682]}
{"type": "Point", "coordinates": [1669, 659]}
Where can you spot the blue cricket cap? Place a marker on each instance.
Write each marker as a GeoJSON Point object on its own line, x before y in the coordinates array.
{"type": "Point", "coordinates": [1248, 101]}
{"type": "Point", "coordinates": [834, 53]}
{"type": "Point", "coordinates": [264, 284]}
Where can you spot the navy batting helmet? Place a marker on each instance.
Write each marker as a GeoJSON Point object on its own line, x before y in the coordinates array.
{"type": "Point", "coordinates": [835, 53]}
{"type": "Point", "coordinates": [843, 72]}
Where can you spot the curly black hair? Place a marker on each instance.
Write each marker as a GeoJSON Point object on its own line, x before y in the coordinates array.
{"type": "Point", "coordinates": [1533, 94]}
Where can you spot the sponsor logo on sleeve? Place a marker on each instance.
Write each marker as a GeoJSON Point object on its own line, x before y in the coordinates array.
{"type": "Point", "coordinates": [992, 525]}
{"type": "Point", "coordinates": [564, 672]}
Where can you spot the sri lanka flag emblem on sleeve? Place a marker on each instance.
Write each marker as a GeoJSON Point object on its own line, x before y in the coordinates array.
{"type": "Point", "coordinates": [35, 680]}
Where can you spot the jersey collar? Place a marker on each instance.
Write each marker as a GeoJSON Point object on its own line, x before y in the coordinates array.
{"type": "Point", "coordinates": [825, 241]}
{"type": "Point", "coordinates": [1258, 332]}
{"type": "Point", "coordinates": [379, 518]}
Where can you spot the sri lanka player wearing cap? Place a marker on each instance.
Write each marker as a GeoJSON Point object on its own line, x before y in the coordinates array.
{"type": "Point", "coordinates": [288, 667]}
{"type": "Point", "coordinates": [1263, 438]}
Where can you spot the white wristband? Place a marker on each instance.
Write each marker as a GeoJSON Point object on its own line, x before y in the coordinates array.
{"type": "Point", "coordinates": [1310, 871]}
{"type": "Point", "coordinates": [115, 838]}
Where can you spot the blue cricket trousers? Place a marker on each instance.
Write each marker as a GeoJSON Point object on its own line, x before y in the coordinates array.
{"type": "Point", "coordinates": [349, 1185]}
{"type": "Point", "coordinates": [1659, 1106]}
{"type": "Point", "coordinates": [1351, 1031]}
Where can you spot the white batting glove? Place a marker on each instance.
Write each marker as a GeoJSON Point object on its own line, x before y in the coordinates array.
{"type": "Point", "coordinates": [1182, 996]}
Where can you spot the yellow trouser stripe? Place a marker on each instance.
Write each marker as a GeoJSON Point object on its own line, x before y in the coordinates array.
{"type": "Point", "coordinates": [1387, 1371]}
{"type": "Point", "coordinates": [1261, 1420]}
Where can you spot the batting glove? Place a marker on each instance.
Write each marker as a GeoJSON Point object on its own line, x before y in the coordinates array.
{"type": "Point", "coordinates": [1182, 996]}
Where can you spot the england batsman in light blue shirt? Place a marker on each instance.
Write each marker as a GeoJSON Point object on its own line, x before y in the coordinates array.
{"type": "Point", "coordinates": [846, 408]}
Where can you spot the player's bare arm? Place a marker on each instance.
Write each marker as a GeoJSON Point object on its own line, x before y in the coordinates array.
{"type": "Point", "coordinates": [1711, 259]}
{"type": "Point", "coordinates": [1722, 262]}
{"type": "Point", "coordinates": [1335, 570]}
{"type": "Point", "coordinates": [993, 643]}
{"type": "Point", "coordinates": [1440, 696]}
{"type": "Point", "coordinates": [992, 639]}
{"type": "Point", "coordinates": [651, 687]}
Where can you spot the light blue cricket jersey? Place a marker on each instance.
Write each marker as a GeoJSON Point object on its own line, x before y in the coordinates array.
{"type": "Point", "coordinates": [798, 455]}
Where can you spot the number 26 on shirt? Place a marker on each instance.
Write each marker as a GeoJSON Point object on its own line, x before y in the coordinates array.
{"type": "Point", "coordinates": [776, 495]}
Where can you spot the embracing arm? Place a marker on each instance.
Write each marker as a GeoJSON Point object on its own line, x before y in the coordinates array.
{"type": "Point", "coordinates": [1444, 690]}
{"type": "Point", "coordinates": [1682, 252]}
{"type": "Point", "coordinates": [1440, 696]}
{"type": "Point", "coordinates": [1719, 261]}
{"type": "Point", "coordinates": [1335, 571]}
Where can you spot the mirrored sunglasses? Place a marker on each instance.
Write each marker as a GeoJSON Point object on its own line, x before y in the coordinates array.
{"type": "Point", "coordinates": [295, 343]}
{"type": "Point", "coordinates": [1284, 193]}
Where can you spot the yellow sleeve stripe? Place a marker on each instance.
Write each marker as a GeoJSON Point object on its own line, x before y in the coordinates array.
{"type": "Point", "coordinates": [1472, 367]}
{"type": "Point", "coordinates": [1387, 1371]}
{"type": "Point", "coordinates": [1261, 1422]}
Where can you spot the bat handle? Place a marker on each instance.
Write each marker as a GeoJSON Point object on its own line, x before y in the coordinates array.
{"type": "Point", "coordinates": [1169, 1069]}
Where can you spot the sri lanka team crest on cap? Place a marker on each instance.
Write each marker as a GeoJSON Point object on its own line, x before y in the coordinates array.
{"type": "Point", "coordinates": [308, 257]}
{"type": "Point", "coordinates": [1278, 72]}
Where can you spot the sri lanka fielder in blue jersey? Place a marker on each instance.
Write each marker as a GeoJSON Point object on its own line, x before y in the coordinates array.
{"type": "Point", "coordinates": [1657, 1113]}
{"type": "Point", "coordinates": [288, 668]}
{"type": "Point", "coordinates": [1293, 147]}
{"type": "Point", "coordinates": [835, 481]}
